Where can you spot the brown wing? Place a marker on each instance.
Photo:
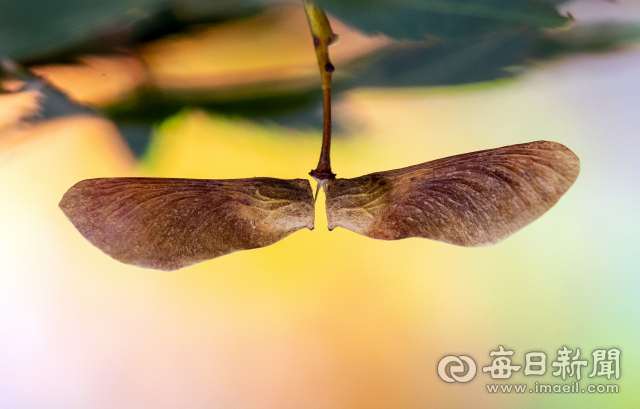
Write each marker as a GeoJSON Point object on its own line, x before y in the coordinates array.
{"type": "Point", "coordinates": [167, 224]}
{"type": "Point", "coordinates": [474, 199]}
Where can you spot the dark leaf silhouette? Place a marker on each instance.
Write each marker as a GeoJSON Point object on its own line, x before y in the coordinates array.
{"type": "Point", "coordinates": [474, 199]}
{"type": "Point", "coordinates": [167, 224]}
{"type": "Point", "coordinates": [445, 19]}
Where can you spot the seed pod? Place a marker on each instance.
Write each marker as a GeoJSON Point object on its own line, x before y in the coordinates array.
{"type": "Point", "coordinates": [167, 224]}
{"type": "Point", "coordinates": [475, 199]}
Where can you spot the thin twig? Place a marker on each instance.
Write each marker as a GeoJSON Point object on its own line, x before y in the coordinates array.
{"type": "Point", "coordinates": [323, 37]}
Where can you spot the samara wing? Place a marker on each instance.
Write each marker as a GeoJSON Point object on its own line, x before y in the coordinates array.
{"type": "Point", "coordinates": [167, 224]}
{"type": "Point", "coordinates": [475, 199]}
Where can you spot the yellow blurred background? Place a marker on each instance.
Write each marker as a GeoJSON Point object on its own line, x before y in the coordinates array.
{"type": "Point", "coordinates": [322, 319]}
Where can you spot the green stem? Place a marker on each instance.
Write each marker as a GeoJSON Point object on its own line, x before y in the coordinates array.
{"type": "Point", "coordinates": [323, 37]}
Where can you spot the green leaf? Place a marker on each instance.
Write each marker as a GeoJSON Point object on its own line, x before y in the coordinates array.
{"type": "Point", "coordinates": [36, 29]}
{"type": "Point", "coordinates": [30, 28]}
{"type": "Point", "coordinates": [446, 19]}
{"type": "Point", "coordinates": [208, 10]}
{"type": "Point", "coordinates": [422, 64]}
{"type": "Point", "coordinates": [588, 38]}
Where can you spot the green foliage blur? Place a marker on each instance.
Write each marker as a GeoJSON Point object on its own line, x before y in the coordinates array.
{"type": "Point", "coordinates": [434, 43]}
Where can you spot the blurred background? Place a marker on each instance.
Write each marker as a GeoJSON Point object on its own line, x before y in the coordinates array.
{"type": "Point", "coordinates": [230, 89]}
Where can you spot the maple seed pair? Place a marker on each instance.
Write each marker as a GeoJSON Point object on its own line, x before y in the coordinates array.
{"type": "Point", "coordinates": [474, 199]}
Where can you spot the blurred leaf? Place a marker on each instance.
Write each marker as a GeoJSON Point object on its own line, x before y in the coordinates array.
{"type": "Point", "coordinates": [269, 52]}
{"type": "Point", "coordinates": [401, 64]}
{"type": "Point", "coordinates": [446, 19]}
{"type": "Point", "coordinates": [205, 10]}
{"type": "Point", "coordinates": [35, 29]}
{"type": "Point", "coordinates": [588, 38]}
{"type": "Point", "coordinates": [149, 105]}
{"type": "Point", "coordinates": [30, 28]}
{"type": "Point", "coordinates": [418, 64]}
{"type": "Point", "coordinates": [96, 81]}
{"type": "Point", "coordinates": [52, 101]}
{"type": "Point", "coordinates": [135, 117]}
{"type": "Point", "coordinates": [263, 67]}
